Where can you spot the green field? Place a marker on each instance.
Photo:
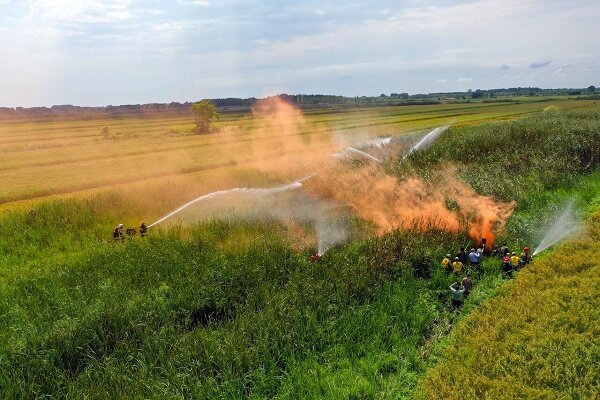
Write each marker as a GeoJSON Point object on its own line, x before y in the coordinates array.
{"type": "Point", "coordinates": [233, 308]}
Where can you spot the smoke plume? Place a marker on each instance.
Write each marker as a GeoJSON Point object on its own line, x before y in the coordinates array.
{"type": "Point", "coordinates": [391, 203]}
{"type": "Point", "coordinates": [283, 150]}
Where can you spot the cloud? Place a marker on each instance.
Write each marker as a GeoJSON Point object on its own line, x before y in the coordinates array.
{"type": "Point", "coordinates": [202, 3]}
{"type": "Point", "coordinates": [234, 47]}
{"type": "Point", "coordinates": [563, 68]}
{"type": "Point", "coordinates": [540, 64]}
{"type": "Point", "coordinates": [81, 11]}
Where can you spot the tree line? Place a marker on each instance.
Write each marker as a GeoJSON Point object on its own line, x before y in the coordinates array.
{"type": "Point", "coordinates": [238, 104]}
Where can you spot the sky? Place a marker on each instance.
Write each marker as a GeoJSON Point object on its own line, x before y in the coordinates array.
{"type": "Point", "coordinates": [101, 52]}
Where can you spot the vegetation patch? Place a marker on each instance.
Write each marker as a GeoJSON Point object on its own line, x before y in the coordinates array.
{"type": "Point", "coordinates": [233, 309]}
{"type": "Point", "coordinates": [512, 159]}
{"type": "Point", "coordinates": [537, 339]}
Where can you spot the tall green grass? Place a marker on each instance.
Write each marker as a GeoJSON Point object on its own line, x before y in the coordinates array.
{"type": "Point", "coordinates": [510, 160]}
{"type": "Point", "coordinates": [177, 315]}
{"type": "Point", "coordinates": [538, 162]}
{"type": "Point", "coordinates": [184, 313]}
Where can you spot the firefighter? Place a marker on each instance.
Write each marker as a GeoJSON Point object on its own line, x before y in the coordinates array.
{"type": "Point", "coordinates": [525, 257]}
{"type": "Point", "coordinates": [458, 291]}
{"type": "Point", "coordinates": [143, 229]}
{"type": "Point", "coordinates": [504, 250]}
{"type": "Point", "coordinates": [515, 262]}
{"type": "Point", "coordinates": [463, 256]}
{"type": "Point", "coordinates": [474, 258]}
{"type": "Point", "coordinates": [481, 252]}
{"type": "Point", "coordinates": [467, 283]}
{"type": "Point", "coordinates": [457, 266]}
{"type": "Point", "coordinates": [506, 266]}
{"type": "Point", "coordinates": [447, 264]}
{"type": "Point", "coordinates": [118, 233]}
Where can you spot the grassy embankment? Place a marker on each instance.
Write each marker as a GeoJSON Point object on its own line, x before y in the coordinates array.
{"type": "Point", "coordinates": [520, 160]}
{"type": "Point", "coordinates": [181, 315]}
{"type": "Point", "coordinates": [539, 337]}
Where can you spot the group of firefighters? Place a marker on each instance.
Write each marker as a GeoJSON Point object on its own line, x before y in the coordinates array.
{"type": "Point", "coordinates": [468, 263]}
{"type": "Point", "coordinates": [464, 263]}
{"type": "Point", "coordinates": [118, 231]}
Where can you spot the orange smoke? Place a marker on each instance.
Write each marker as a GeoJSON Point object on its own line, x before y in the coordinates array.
{"type": "Point", "coordinates": [279, 113]}
{"type": "Point", "coordinates": [283, 146]}
{"type": "Point", "coordinates": [391, 204]}
{"type": "Point", "coordinates": [283, 141]}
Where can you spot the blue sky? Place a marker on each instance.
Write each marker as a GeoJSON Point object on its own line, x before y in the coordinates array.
{"type": "Point", "coordinates": [99, 52]}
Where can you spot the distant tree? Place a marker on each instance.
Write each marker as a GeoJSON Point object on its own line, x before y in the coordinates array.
{"type": "Point", "coordinates": [477, 94]}
{"type": "Point", "coordinates": [204, 113]}
{"type": "Point", "coordinates": [591, 89]}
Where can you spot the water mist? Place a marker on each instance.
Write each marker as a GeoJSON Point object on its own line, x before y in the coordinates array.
{"type": "Point", "coordinates": [564, 226]}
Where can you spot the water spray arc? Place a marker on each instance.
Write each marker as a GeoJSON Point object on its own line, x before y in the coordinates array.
{"type": "Point", "coordinates": [343, 154]}
{"type": "Point", "coordinates": [564, 226]}
{"type": "Point", "coordinates": [261, 191]}
{"type": "Point", "coordinates": [427, 140]}
{"type": "Point", "coordinates": [329, 234]}
{"type": "Point", "coordinates": [378, 142]}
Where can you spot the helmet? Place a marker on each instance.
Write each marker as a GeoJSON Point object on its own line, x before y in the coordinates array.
{"type": "Point", "coordinates": [448, 255]}
{"type": "Point", "coordinates": [456, 258]}
{"type": "Point", "coordinates": [513, 253]}
{"type": "Point", "coordinates": [472, 249]}
{"type": "Point", "coordinates": [526, 249]}
{"type": "Point", "coordinates": [120, 225]}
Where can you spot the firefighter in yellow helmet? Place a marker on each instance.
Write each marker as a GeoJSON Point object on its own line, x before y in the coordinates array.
{"type": "Point", "coordinates": [515, 261]}
{"type": "Point", "coordinates": [457, 266]}
{"type": "Point", "coordinates": [447, 264]}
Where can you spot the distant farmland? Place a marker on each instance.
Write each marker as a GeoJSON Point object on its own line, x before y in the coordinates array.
{"type": "Point", "coordinates": [43, 158]}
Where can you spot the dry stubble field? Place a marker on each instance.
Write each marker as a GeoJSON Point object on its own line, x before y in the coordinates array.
{"type": "Point", "coordinates": [152, 156]}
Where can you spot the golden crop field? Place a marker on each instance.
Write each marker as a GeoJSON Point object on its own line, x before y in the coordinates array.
{"type": "Point", "coordinates": [44, 158]}
{"type": "Point", "coordinates": [538, 339]}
